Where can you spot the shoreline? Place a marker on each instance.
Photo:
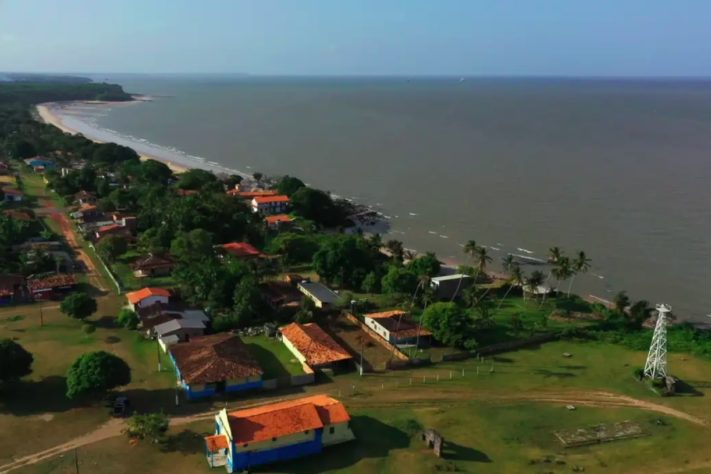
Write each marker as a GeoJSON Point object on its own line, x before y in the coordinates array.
{"type": "Point", "coordinates": [48, 113]}
{"type": "Point", "coordinates": [48, 116]}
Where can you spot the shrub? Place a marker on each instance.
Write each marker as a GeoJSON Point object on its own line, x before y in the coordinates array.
{"type": "Point", "coordinates": [88, 328]}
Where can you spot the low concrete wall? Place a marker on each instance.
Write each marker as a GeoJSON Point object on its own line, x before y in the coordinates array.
{"type": "Point", "coordinates": [391, 348]}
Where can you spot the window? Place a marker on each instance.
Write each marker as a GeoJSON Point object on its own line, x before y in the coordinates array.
{"type": "Point", "coordinates": [332, 430]}
{"type": "Point", "coordinates": [273, 439]}
{"type": "Point", "coordinates": [306, 432]}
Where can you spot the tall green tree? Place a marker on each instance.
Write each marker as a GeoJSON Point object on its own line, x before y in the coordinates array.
{"type": "Point", "coordinates": [94, 373]}
{"type": "Point", "coordinates": [111, 247]}
{"type": "Point", "coordinates": [15, 361]}
{"type": "Point", "coordinates": [78, 305]}
{"type": "Point", "coordinates": [450, 325]}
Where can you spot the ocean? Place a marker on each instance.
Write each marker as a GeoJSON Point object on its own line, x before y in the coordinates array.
{"type": "Point", "coordinates": [617, 168]}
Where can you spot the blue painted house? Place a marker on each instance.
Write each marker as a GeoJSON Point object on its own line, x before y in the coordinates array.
{"type": "Point", "coordinates": [277, 432]}
{"type": "Point", "coordinates": [207, 365]}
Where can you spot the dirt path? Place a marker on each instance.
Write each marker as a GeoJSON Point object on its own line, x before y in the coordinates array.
{"type": "Point", "coordinates": [48, 209]}
{"type": "Point", "coordinates": [115, 427]}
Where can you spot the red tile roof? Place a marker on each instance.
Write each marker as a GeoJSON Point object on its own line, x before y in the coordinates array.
{"type": "Point", "coordinates": [278, 219]}
{"type": "Point", "coordinates": [314, 344]}
{"type": "Point", "coordinates": [241, 249]}
{"type": "Point", "coordinates": [109, 228]}
{"type": "Point", "coordinates": [51, 282]}
{"type": "Point", "coordinates": [269, 199]}
{"type": "Point", "coordinates": [138, 296]}
{"type": "Point", "coordinates": [214, 358]}
{"type": "Point", "coordinates": [281, 419]}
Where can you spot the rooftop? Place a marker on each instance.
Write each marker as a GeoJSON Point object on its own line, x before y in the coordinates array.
{"type": "Point", "coordinates": [456, 276]}
{"type": "Point", "coordinates": [285, 418]}
{"type": "Point", "coordinates": [270, 199]}
{"type": "Point", "coordinates": [314, 344]}
{"type": "Point", "coordinates": [397, 323]}
{"type": "Point", "coordinates": [241, 249]}
{"type": "Point", "coordinates": [278, 219]}
{"type": "Point", "coordinates": [214, 358]}
{"type": "Point", "coordinates": [140, 295]}
{"type": "Point", "coordinates": [52, 281]}
{"type": "Point", "coordinates": [253, 194]}
{"type": "Point", "coordinates": [178, 324]}
{"type": "Point", "coordinates": [319, 291]}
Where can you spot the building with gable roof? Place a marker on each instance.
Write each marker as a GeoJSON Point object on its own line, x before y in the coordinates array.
{"type": "Point", "coordinates": [218, 363]}
{"type": "Point", "coordinates": [146, 297]}
{"type": "Point", "coordinates": [397, 328]}
{"type": "Point", "coordinates": [312, 346]}
{"type": "Point", "coordinates": [277, 432]}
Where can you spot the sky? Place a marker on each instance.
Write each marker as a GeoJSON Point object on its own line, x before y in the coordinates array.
{"type": "Point", "coordinates": [359, 37]}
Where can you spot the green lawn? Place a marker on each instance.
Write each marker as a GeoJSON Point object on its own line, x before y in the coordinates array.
{"type": "Point", "coordinates": [273, 356]}
{"type": "Point", "coordinates": [130, 282]}
{"type": "Point", "coordinates": [491, 421]}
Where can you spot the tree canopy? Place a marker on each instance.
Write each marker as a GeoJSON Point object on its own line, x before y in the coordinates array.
{"type": "Point", "coordinates": [94, 373]}
{"type": "Point", "coordinates": [78, 305]}
{"type": "Point", "coordinates": [15, 361]}
{"type": "Point", "coordinates": [450, 324]}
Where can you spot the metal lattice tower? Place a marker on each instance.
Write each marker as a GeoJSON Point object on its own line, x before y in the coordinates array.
{"type": "Point", "coordinates": [656, 366]}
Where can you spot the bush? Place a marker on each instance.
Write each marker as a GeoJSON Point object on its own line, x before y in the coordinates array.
{"type": "Point", "coordinates": [151, 426]}
{"type": "Point", "coordinates": [128, 319]}
{"type": "Point", "coordinates": [639, 373]}
{"type": "Point", "coordinates": [88, 328]}
{"type": "Point", "coordinates": [96, 372]}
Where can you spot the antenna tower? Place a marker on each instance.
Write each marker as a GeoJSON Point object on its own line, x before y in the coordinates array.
{"type": "Point", "coordinates": [656, 366]}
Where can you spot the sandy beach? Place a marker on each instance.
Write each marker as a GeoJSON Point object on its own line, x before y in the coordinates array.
{"type": "Point", "coordinates": [46, 112]}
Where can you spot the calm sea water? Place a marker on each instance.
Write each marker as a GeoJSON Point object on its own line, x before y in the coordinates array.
{"type": "Point", "coordinates": [618, 168]}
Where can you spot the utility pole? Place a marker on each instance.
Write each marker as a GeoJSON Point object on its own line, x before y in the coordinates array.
{"type": "Point", "coordinates": [160, 368]}
{"type": "Point", "coordinates": [76, 461]}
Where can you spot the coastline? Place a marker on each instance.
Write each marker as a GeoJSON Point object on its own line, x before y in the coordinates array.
{"type": "Point", "coordinates": [47, 114]}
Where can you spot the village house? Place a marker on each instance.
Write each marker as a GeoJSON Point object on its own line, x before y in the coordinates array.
{"type": "Point", "coordinates": [280, 294]}
{"type": "Point", "coordinates": [241, 250]}
{"type": "Point", "coordinates": [146, 297]}
{"type": "Point", "coordinates": [213, 364]}
{"type": "Point", "coordinates": [322, 296]}
{"type": "Point", "coordinates": [277, 432]}
{"type": "Point", "coordinates": [86, 213]}
{"type": "Point", "coordinates": [159, 313]}
{"type": "Point", "coordinates": [448, 286]}
{"type": "Point", "coordinates": [312, 346]}
{"type": "Point", "coordinates": [39, 164]}
{"type": "Point", "coordinates": [278, 221]}
{"type": "Point", "coordinates": [112, 229]}
{"type": "Point", "coordinates": [153, 266]}
{"type": "Point", "coordinates": [52, 286]}
{"type": "Point", "coordinates": [12, 288]}
{"type": "Point", "coordinates": [252, 193]}
{"type": "Point", "coordinates": [277, 204]}
{"type": "Point", "coordinates": [12, 195]}
{"type": "Point", "coordinates": [396, 328]}
{"type": "Point", "coordinates": [84, 198]}
{"type": "Point", "coordinates": [178, 330]}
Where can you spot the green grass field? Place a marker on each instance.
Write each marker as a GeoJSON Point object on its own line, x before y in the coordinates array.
{"type": "Point", "coordinates": [500, 422]}
{"type": "Point", "coordinates": [273, 356]}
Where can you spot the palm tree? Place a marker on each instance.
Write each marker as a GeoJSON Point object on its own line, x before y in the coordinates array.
{"type": "Point", "coordinates": [580, 265]}
{"type": "Point", "coordinates": [516, 278]}
{"type": "Point", "coordinates": [554, 254]}
{"type": "Point", "coordinates": [396, 249]}
{"type": "Point", "coordinates": [639, 312]}
{"type": "Point", "coordinates": [471, 248]}
{"type": "Point", "coordinates": [621, 301]}
{"type": "Point", "coordinates": [482, 258]}
{"type": "Point", "coordinates": [535, 280]}
{"type": "Point", "coordinates": [508, 262]}
{"type": "Point", "coordinates": [562, 269]}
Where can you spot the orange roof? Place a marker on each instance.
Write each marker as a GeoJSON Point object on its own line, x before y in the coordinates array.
{"type": "Point", "coordinates": [109, 228]}
{"type": "Point", "coordinates": [241, 249]}
{"type": "Point", "coordinates": [268, 199]}
{"type": "Point", "coordinates": [314, 344]}
{"type": "Point", "coordinates": [278, 218]}
{"type": "Point", "coordinates": [216, 442]}
{"type": "Point", "coordinates": [386, 314]}
{"type": "Point", "coordinates": [140, 295]}
{"type": "Point", "coordinates": [285, 418]}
